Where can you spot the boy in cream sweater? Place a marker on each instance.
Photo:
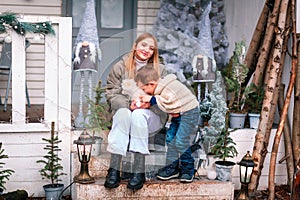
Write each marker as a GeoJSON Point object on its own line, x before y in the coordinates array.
{"type": "Point", "coordinates": [175, 98]}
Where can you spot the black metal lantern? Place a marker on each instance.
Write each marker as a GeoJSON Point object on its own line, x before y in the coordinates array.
{"type": "Point", "coordinates": [246, 169]}
{"type": "Point", "coordinates": [84, 148]}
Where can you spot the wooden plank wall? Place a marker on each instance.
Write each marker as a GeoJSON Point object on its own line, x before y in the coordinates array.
{"type": "Point", "coordinates": [32, 7]}
{"type": "Point", "coordinates": [147, 14]}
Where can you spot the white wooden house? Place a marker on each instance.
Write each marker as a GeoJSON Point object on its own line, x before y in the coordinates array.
{"type": "Point", "coordinates": [46, 66]}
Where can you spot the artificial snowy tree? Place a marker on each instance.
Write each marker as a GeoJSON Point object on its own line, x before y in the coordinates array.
{"type": "Point", "coordinates": [183, 29]}
{"type": "Point", "coordinates": [219, 108]}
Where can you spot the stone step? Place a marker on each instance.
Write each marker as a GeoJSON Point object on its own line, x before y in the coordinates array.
{"type": "Point", "coordinates": [99, 165]}
{"type": "Point", "coordinates": [203, 189]}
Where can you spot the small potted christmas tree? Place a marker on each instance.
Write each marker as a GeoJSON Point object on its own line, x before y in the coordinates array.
{"type": "Point", "coordinates": [52, 169]}
{"type": "Point", "coordinates": [254, 100]}
{"type": "Point", "coordinates": [235, 75]}
{"type": "Point", "coordinates": [98, 118]}
{"type": "Point", "coordinates": [224, 149]}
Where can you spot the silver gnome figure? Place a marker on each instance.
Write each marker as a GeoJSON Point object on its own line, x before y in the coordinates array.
{"type": "Point", "coordinates": [87, 55]}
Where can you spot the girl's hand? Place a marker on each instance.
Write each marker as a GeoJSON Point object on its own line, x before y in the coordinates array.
{"type": "Point", "coordinates": [145, 98]}
{"type": "Point", "coordinates": [135, 104]}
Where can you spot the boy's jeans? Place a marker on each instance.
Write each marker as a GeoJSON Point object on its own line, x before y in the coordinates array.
{"type": "Point", "coordinates": [178, 139]}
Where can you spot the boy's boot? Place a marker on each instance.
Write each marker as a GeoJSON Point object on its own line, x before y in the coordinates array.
{"type": "Point", "coordinates": [138, 178]}
{"type": "Point", "coordinates": [113, 177]}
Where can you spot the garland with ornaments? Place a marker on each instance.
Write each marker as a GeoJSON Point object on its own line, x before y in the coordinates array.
{"type": "Point", "coordinates": [11, 21]}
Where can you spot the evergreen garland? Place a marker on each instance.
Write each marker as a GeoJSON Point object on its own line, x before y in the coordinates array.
{"type": "Point", "coordinates": [11, 21]}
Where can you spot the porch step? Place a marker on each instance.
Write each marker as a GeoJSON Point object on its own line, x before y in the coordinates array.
{"type": "Point", "coordinates": [99, 165]}
{"type": "Point", "coordinates": [203, 189]}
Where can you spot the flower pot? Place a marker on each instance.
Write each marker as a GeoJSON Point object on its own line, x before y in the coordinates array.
{"type": "Point", "coordinates": [96, 149]}
{"type": "Point", "coordinates": [237, 120]}
{"type": "Point", "coordinates": [253, 120]}
{"type": "Point", "coordinates": [53, 192]}
{"type": "Point", "coordinates": [224, 170]}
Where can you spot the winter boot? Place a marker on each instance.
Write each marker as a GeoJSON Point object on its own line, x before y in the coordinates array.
{"type": "Point", "coordinates": [113, 177]}
{"type": "Point", "coordinates": [137, 180]}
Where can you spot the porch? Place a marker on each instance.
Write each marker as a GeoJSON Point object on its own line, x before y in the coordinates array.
{"type": "Point", "coordinates": [22, 135]}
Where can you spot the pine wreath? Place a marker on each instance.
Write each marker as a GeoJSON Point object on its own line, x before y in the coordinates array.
{"type": "Point", "coordinates": [10, 21]}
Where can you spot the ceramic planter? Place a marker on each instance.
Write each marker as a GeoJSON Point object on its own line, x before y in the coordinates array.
{"type": "Point", "coordinates": [253, 120]}
{"type": "Point", "coordinates": [224, 170]}
{"type": "Point", "coordinates": [96, 149]}
{"type": "Point", "coordinates": [237, 120]}
{"type": "Point", "coordinates": [53, 192]}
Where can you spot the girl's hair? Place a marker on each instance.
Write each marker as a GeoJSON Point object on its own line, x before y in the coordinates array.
{"type": "Point", "coordinates": [130, 62]}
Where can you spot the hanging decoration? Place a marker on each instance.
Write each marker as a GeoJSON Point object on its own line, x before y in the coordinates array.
{"type": "Point", "coordinates": [11, 21]}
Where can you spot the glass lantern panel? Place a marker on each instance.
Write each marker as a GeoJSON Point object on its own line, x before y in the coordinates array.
{"type": "Point", "coordinates": [245, 173]}
{"type": "Point", "coordinates": [84, 152]}
{"type": "Point", "coordinates": [249, 172]}
{"type": "Point", "coordinates": [112, 15]}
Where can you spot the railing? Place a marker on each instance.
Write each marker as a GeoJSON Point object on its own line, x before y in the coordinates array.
{"type": "Point", "coordinates": [57, 94]}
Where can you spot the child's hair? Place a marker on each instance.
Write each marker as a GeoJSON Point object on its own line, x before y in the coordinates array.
{"type": "Point", "coordinates": [146, 74]}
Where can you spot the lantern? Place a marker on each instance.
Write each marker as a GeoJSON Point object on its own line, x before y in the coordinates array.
{"type": "Point", "coordinates": [84, 148]}
{"type": "Point", "coordinates": [246, 168]}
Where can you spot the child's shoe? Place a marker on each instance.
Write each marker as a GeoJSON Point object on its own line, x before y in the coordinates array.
{"type": "Point", "coordinates": [187, 172]}
{"type": "Point", "coordinates": [168, 172]}
{"type": "Point", "coordinates": [187, 178]}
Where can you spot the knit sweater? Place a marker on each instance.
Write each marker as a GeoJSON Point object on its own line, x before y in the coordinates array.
{"type": "Point", "coordinates": [172, 96]}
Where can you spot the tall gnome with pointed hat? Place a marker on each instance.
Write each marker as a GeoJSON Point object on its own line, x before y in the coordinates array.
{"type": "Point", "coordinates": [87, 56]}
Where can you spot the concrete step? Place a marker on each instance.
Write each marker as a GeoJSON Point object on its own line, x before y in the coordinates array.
{"type": "Point", "coordinates": [203, 189]}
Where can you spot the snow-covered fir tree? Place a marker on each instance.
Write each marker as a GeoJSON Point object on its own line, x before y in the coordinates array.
{"type": "Point", "coordinates": [185, 28]}
{"type": "Point", "coordinates": [219, 108]}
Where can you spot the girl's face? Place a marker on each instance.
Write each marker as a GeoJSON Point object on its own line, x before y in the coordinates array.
{"type": "Point", "coordinates": [144, 49]}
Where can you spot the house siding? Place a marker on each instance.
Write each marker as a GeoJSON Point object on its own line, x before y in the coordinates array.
{"type": "Point", "coordinates": [146, 15]}
{"type": "Point", "coordinates": [33, 7]}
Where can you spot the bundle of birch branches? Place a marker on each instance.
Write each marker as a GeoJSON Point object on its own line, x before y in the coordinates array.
{"type": "Point", "coordinates": [268, 49]}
